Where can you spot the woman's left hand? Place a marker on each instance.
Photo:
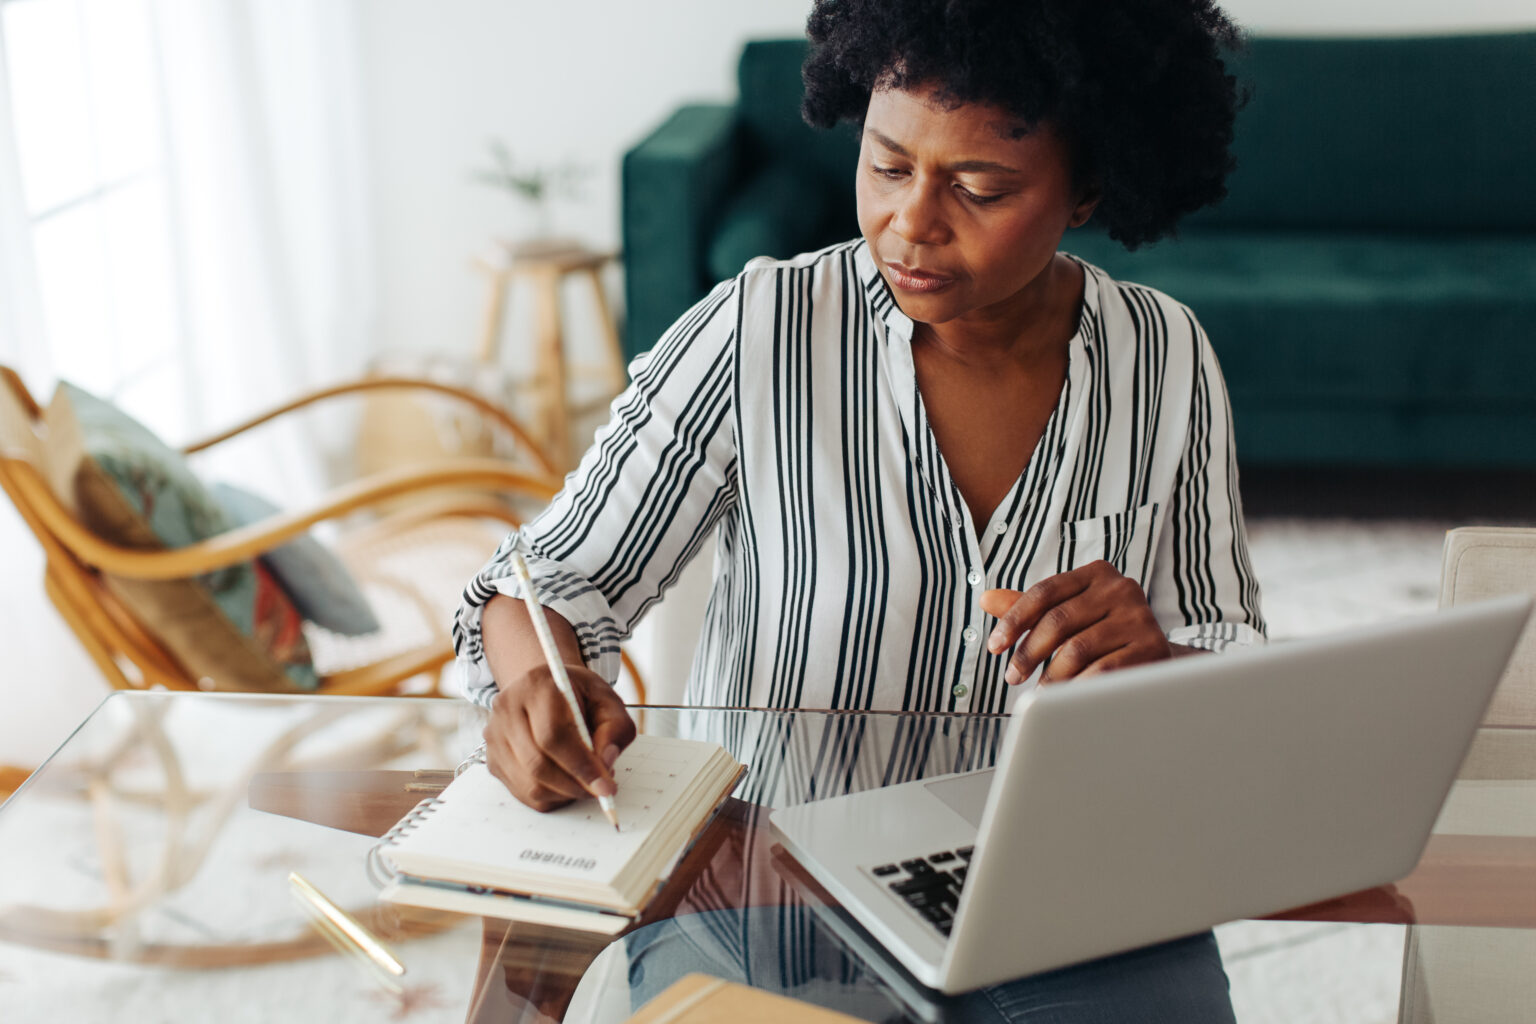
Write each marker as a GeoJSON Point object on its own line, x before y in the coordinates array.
{"type": "Point", "coordinates": [1081, 622]}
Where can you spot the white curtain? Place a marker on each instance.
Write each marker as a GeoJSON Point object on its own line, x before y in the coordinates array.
{"type": "Point", "coordinates": [264, 123]}
{"type": "Point", "coordinates": [21, 336]}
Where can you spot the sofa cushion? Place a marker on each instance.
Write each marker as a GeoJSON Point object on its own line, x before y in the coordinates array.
{"type": "Point", "coordinates": [235, 626]}
{"type": "Point", "coordinates": [1384, 347]}
{"type": "Point", "coordinates": [778, 213]}
{"type": "Point", "coordinates": [314, 579]}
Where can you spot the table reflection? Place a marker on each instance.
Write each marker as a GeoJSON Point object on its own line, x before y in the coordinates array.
{"type": "Point", "coordinates": [143, 869]}
{"type": "Point", "coordinates": [136, 879]}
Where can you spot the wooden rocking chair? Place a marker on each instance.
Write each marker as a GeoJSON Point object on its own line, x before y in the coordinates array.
{"type": "Point", "coordinates": [459, 500]}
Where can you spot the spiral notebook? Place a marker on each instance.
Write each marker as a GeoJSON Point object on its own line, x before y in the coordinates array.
{"type": "Point", "coordinates": [475, 849]}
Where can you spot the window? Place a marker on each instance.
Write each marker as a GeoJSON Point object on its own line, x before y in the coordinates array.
{"type": "Point", "coordinates": [85, 101]}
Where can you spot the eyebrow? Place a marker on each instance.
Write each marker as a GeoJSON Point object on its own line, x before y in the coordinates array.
{"type": "Point", "coordinates": [963, 167]}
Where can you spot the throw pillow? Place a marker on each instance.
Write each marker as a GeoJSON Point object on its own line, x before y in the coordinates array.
{"type": "Point", "coordinates": [234, 626]}
{"type": "Point", "coordinates": [320, 587]}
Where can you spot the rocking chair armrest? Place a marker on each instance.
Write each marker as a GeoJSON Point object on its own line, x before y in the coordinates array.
{"type": "Point", "coordinates": [247, 542]}
{"type": "Point", "coordinates": [11, 380]}
{"type": "Point", "coordinates": [484, 405]}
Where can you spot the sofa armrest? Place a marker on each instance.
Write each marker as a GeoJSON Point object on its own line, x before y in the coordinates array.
{"type": "Point", "coordinates": [674, 182]}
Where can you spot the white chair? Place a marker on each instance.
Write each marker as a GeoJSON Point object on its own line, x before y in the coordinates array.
{"type": "Point", "coordinates": [1452, 974]}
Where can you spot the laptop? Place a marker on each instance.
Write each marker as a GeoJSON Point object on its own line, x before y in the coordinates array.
{"type": "Point", "coordinates": [1159, 801]}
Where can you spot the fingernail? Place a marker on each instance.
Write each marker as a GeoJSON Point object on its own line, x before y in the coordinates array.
{"type": "Point", "coordinates": [604, 787]}
{"type": "Point", "coordinates": [1012, 677]}
{"type": "Point", "coordinates": [610, 755]}
{"type": "Point", "coordinates": [996, 642]}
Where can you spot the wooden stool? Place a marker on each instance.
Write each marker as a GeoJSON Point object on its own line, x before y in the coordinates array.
{"type": "Point", "coordinates": [546, 264]}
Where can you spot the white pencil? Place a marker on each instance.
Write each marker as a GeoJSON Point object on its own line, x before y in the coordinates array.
{"type": "Point", "coordinates": [557, 666]}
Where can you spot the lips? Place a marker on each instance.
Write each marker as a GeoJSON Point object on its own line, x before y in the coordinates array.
{"type": "Point", "coordinates": [914, 279]}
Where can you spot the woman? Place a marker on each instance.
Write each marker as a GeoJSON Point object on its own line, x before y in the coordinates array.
{"type": "Point", "coordinates": [941, 459]}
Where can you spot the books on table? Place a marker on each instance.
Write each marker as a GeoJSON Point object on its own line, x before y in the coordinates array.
{"type": "Point", "coordinates": [475, 849]}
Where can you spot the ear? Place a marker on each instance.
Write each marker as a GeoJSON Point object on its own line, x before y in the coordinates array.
{"type": "Point", "coordinates": [1084, 208]}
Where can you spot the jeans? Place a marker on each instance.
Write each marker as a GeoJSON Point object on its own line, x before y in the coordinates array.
{"type": "Point", "coordinates": [782, 950]}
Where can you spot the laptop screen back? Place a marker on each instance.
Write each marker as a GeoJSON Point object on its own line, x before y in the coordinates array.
{"type": "Point", "coordinates": [1160, 801]}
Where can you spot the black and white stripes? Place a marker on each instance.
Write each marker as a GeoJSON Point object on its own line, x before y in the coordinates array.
{"type": "Point", "coordinates": [783, 413]}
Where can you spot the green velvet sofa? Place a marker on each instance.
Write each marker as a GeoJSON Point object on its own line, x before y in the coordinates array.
{"type": "Point", "coordinates": [1369, 284]}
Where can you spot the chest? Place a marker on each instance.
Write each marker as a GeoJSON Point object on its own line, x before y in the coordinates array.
{"type": "Point", "coordinates": [843, 445]}
{"type": "Point", "coordinates": [988, 427]}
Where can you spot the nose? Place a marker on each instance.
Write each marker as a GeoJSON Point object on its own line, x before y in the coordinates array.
{"type": "Point", "coordinates": [919, 217]}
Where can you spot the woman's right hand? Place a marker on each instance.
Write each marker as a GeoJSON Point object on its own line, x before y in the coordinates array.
{"type": "Point", "coordinates": [532, 746]}
{"type": "Point", "coordinates": [531, 741]}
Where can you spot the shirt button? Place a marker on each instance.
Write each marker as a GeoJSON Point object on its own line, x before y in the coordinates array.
{"type": "Point", "coordinates": [960, 690]}
{"type": "Point", "coordinates": [1000, 528]}
{"type": "Point", "coordinates": [969, 634]}
{"type": "Point", "coordinates": [973, 577]}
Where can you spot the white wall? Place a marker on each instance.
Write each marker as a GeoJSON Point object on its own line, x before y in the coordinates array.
{"type": "Point", "coordinates": [1379, 17]}
{"type": "Point", "coordinates": [579, 80]}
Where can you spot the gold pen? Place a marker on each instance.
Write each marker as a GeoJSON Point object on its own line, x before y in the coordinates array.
{"type": "Point", "coordinates": [557, 666]}
{"type": "Point", "coordinates": [344, 930]}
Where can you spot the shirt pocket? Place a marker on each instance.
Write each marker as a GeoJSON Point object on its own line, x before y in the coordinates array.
{"type": "Point", "coordinates": [1127, 540]}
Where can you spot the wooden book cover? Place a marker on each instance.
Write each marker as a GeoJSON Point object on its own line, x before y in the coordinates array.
{"type": "Point", "coordinates": [476, 849]}
{"type": "Point", "coordinates": [702, 999]}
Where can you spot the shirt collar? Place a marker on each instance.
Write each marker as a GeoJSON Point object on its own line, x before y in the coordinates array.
{"type": "Point", "coordinates": [878, 295]}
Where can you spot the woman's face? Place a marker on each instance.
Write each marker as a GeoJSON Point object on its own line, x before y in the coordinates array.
{"type": "Point", "coordinates": [961, 217]}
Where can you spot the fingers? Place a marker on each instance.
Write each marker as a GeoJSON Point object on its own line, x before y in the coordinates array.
{"type": "Point", "coordinates": [544, 782]}
{"type": "Point", "coordinates": [534, 748]}
{"type": "Point", "coordinates": [506, 737]}
{"type": "Point", "coordinates": [1023, 613]}
{"type": "Point", "coordinates": [1105, 647]}
{"type": "Point", "coordinates": [612, 727]}
{"type": "Point", "coordinates": [997, 602]}
{"type": "Point", "coordinates": [1080, 651]}
{"type": "Point", "coordinates": [1089, 620]}
{"type": "Point", "coordinates": [1065, 630]}
{"type": "Point", "coordinates": [557, 746]}
{"type": "Point", "coordinates": [1120, 657]}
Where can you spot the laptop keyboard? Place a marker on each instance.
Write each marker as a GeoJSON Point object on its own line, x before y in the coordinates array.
{"type": "Point", "coordinates": [929, 885]}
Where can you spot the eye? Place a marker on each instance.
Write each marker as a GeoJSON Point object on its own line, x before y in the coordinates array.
{"type": "Point", "coordinates": [980, 199]}
{"type": "Point", "coordinates": [886, 172]}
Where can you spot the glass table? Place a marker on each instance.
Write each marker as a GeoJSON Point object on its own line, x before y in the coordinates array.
{"type": "Point", "coordinates": [144, 869]}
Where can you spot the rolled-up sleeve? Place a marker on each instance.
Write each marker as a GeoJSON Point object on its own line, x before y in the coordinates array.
{"type": "Point", "coordinates": [1204, 590]}
{"type": "Point", "coordinates": [656, 481]}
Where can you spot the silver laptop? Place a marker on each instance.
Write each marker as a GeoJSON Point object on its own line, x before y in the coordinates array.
{"type": "Point", "coordinates": [1160, 801]}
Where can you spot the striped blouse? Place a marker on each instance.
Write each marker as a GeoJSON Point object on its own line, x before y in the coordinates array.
{"type": "Point", "coordinates": [782, 414]}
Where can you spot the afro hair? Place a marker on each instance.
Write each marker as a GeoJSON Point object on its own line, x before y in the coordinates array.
{"type": "Point", "coordinates": [1137, 88]}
